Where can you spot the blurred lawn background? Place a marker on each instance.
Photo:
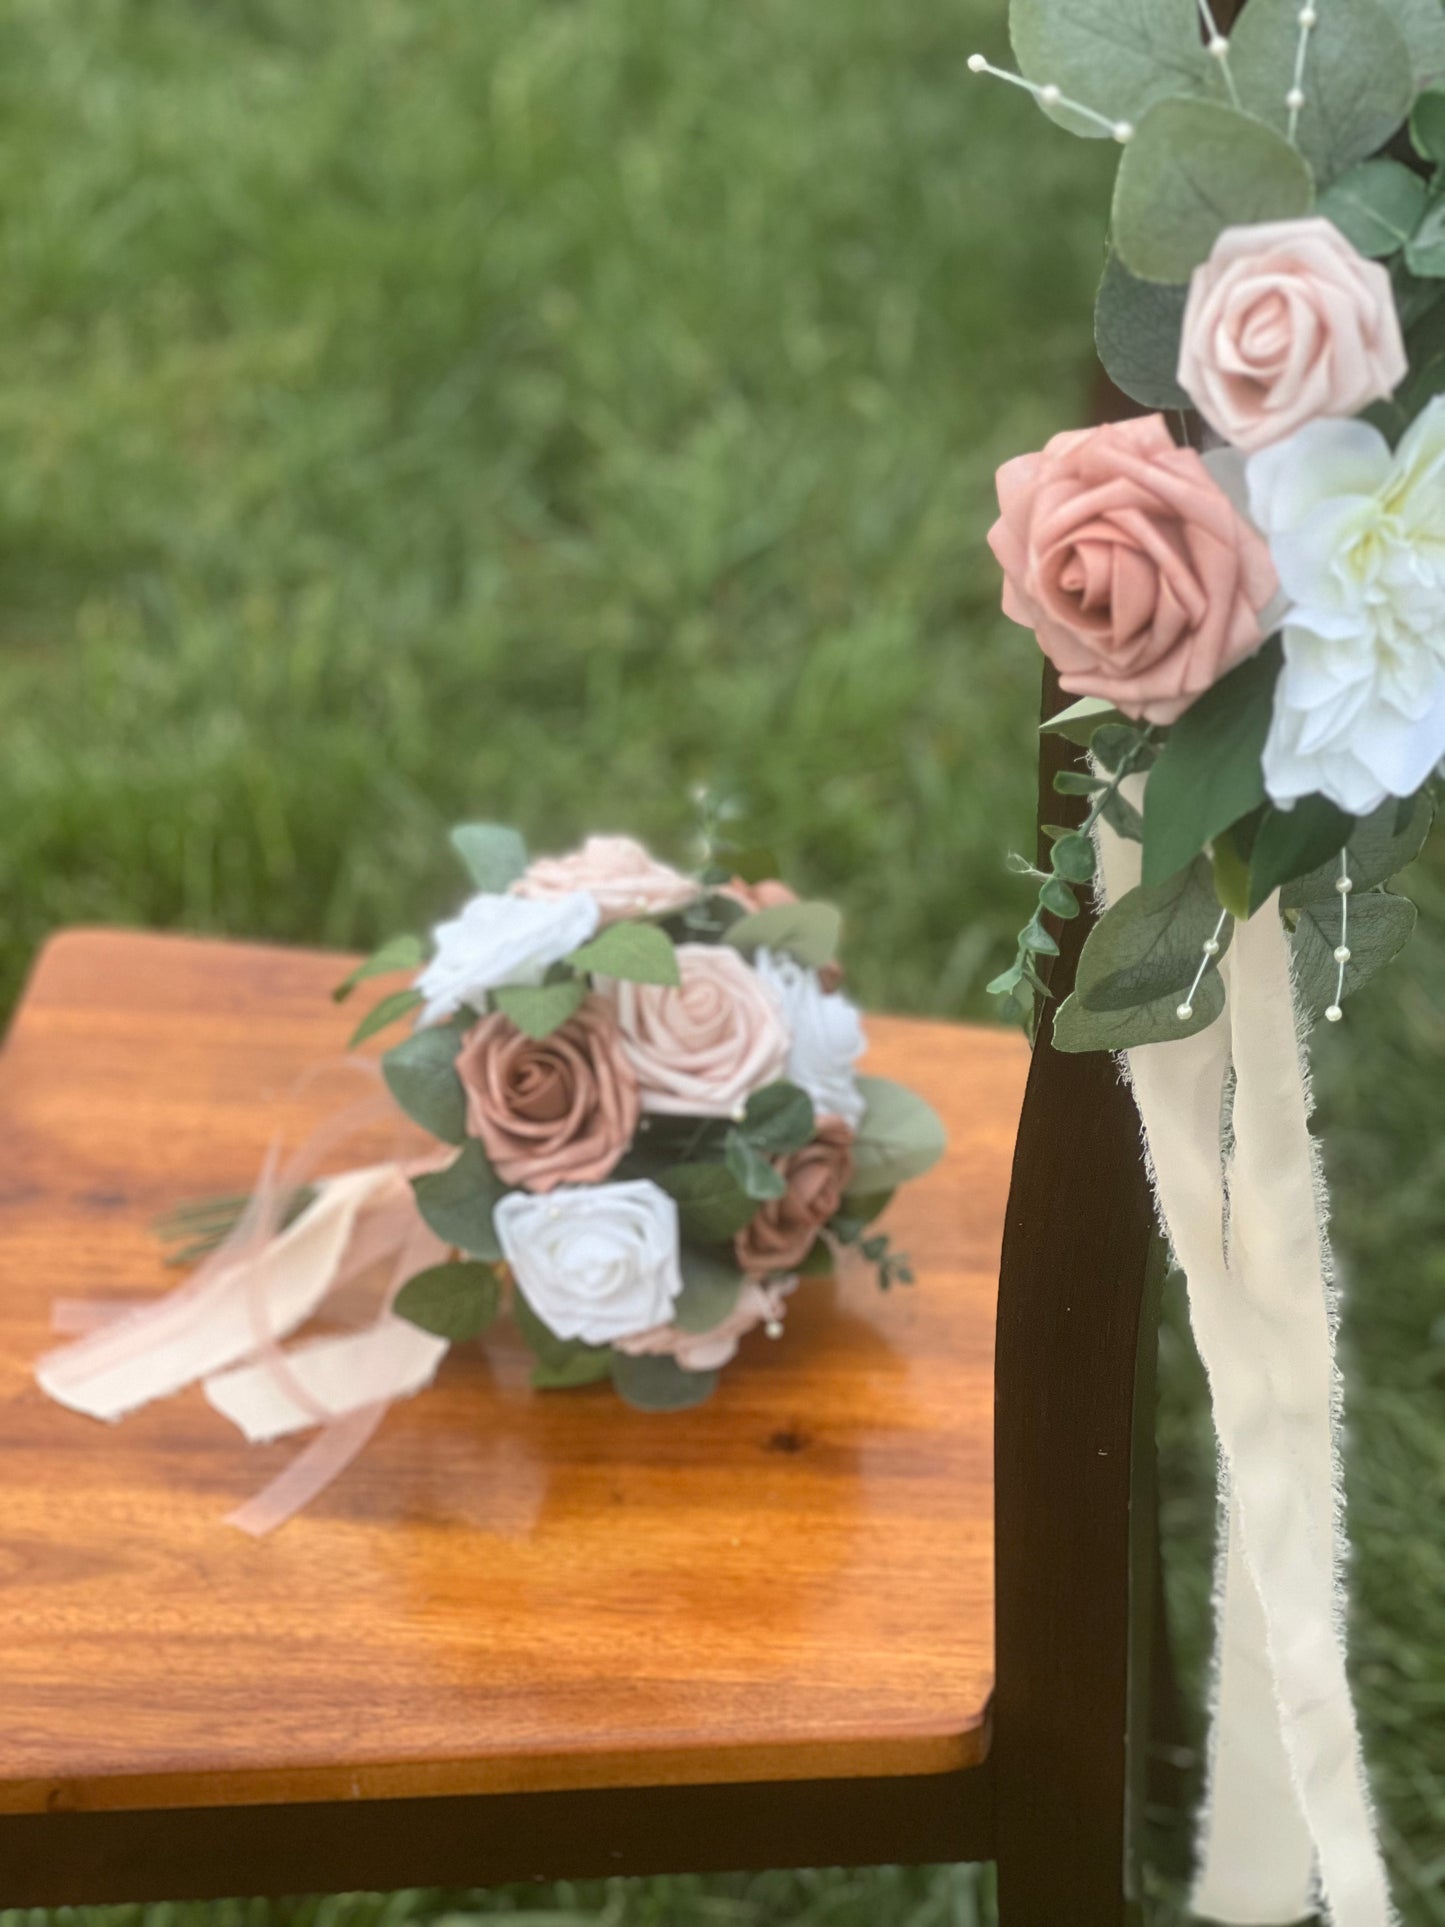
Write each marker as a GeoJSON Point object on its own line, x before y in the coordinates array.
{"type": "Point", "coordinates": [532, 409]}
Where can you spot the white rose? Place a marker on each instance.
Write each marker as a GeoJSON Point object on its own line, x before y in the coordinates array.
{"type": "Point", "coordinates": [625, 879]}
{"type": "Point", "coordinates": [1358, 536]}
{"type": "Point", "coordinates": [501, 940]}
{"type": "Point", "coordinates": [596, 1262]}
{"type": "Point", "coordinates": [827, 1034]}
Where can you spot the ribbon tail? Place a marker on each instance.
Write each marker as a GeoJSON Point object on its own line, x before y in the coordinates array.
{"type": "Point", "coordinates": [309, 1473]}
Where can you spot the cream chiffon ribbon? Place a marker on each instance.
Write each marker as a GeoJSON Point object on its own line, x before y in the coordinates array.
{"type": "Point", "coordinates": [224, 1327]}
{"type": "Point", "coordinates": [1287, 1820]}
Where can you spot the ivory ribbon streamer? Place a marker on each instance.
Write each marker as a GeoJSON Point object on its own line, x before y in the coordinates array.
{"type": "Point", "coordinates": [1288, 1811]}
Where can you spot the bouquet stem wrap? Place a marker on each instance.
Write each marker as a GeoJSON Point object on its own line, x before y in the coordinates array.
{"type": "Point", "coordinates": [1238, 1185]}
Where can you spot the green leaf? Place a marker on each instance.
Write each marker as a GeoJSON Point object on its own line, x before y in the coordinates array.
{"type": "Point", "coordinates": [1229, 865]}
{"type": "Point", "coordinates": [1136, 332]}
{"type": "Point", "coordinates": [861, 1208]}
{"type": "Point", "coordinates": [1209, 772]}
{"type": "Point", "coordinates": [1117, 56]}
{"type": "Point", "coordinates": [1379, 926]}
{"type": "Point", "coordinates": [1058, 899]}
{"type": "Point", "coordinates": [819, 1261]}
{"type": "Point", "coordinates": [1077, 1028]}
{"type": "Point", "coordinates": [560, 1364]}
{"type": "Point", "coordinates": [1123, 819]}
{"type": "Point", "coordinates": [494, 855]}
{"type": "Point", "coordinates": [1149, 944]}
{"type": "Point", "coordinates": [1118, 744]}
{"type": "Point", "coordinates": [639, 953]}
{"type": "Point", "coordinates": [808, 931]}
{"type": "Point", "coordinates": [388, 1011]}
{"type": "Point", "coordinates": [539, 1009]}
{"type": "Point", "coordinates": [1073, 857]}
{"type": "Point", "coordinates": [658, 1383]}
{"type": "Point", "coordinates": [1291, 843]}
{"type": "Point", "coordinates": [1425, 251]}
{"type": "Point", "coordinates": [712, 1206]}
{"type": "Point", "coordinates": [779, 1118]}
{"type": "Point", "coordinates": [1036, 939]}
{"type": "Point", "coordinates": [398, 953]}
{"type": "Point", "coordinates": [1193, 169]}
{"type": "Point", "coordinates": [456, 1301]}
{"type": "Point", "coordinates": [421, 1075]}
{"type": "Point", "coordinates": [899, 1138]}
{"type": "Point", "coordinates": [1073, 782]}
{"type": "Point", "coordinates": [1079, 721]}
{"type": "Point", "coordinates": [1379, 849]}
{"type": "Point", "coordinates": [458, 1202]}
{"type": "Point", "coordinates": [710, 1289]}
{"type": "Point", "coordinates": [1376, 206]}
{"type": "Point", "coordinates": [1427, 126]}
{"type": "Point", "coordinates": [754, 1173]}
{"type": "Point", "coordinates": [1421, 25]}
{"type": "Point", "coordinates": [1358, 80]}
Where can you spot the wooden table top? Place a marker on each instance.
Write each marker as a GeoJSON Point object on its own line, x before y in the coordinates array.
{"type": "Point", "coordinates": [508, 1590]}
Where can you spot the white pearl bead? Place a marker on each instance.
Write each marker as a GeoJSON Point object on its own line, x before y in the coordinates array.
{"type": "Point", "coordinates": [1308, 18]}
{"type": "Point", "coordinates": [1184, 1013]}
{"type": "Point", "coordinates": [1294, 99]}
{"type": "Point", "coordinates": [1051, 95]}
{"type": "Point", "coordinates": [1219, 47]}
{"type": "Point", "coordinates": [1334, 1013]}
{"type": "Point", "coordinates": [1211, 947]}
{"type": "Point", "coordinates": [1344, 885]}
{"type": "Point", "coordinates": [977, 64]}
{"type": "Point", "coordinates": [774, 1328]}
{"type": "Point", "coordinates": [1123, 131]}
{"type": "Point", "coordinates": [1342, 955]}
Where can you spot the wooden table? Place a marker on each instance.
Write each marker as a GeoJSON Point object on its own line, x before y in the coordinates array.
{"type": "Point", "coordinates": [510, 1593]}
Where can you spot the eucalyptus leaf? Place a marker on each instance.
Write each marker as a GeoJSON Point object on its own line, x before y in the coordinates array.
{"type": "Point", "coordinates": [1421, 24]}
{"type": "Point", "coordinates": [1427, 126]}
{"type": "Point", "coordinates": [1380, 848]}
{"type": "Point", "coordinates": [900, 1136]}
{"type": "Point", "coordinates": [1079, 721]}
{"type": "Point", "coordinates": [1122, 817]}
{"type": "Point", "coordinates": [1291, 843]}
{"type": "Point", "coordinates": [710, 1290]}
{"type": "Point", "coordinates": [1193, 169]}
{"type": "Point", "coordinates": [1376, 931]}
{"type": "Point", "coordinates": [1136, 332]}
{"type": "Point", "coordinates": [1425, 250]}
{"type": "Point", "coordinates": [808, 931]}
{"type": "Point", "coordinates": [1209, 772]}
{"type": "Point", "coordinates": [1376, 206]}
{"type": "Point", "coordinates": [1358, 80]}
{"type": "Point", "coordinates": [1148, 945]}
{"type": "Point", "coordinates": [539, 1009]}
{"type": "Point", "coordinates": [712, 1206]}
{"type": "Point", "coordinates": [1077, 1028]}
{"type": "Point", "coordinates": [1058, 899]}
{"type": "Point", "coordinates": [753, 1173]}
{"type": "Point", "coordinates": [639, 953]}
{"type": "Point", "coordinates": [657, 1383]}
{"type": "Point", "coordinates": [421, 1075]}
{"type": "Point", "coordinates": [560, 1364]}
{"type": "Point", "coordinates": [1074, 857]}
{"type": "Point", "coordinates": [398, 953]}
{"type": "Point", "coordinates": [493, 854]}
{"type": "Point", "coordinates": [389, 1011]}
{"type": "Point", "coordinates": [458, 1202]}
{"type": "Point", "coordinates": [1118, 56]}
{"type": "Point", "coordinates": [779, 1118]}
{"type": "Point", "coordinates": [455, 1301]}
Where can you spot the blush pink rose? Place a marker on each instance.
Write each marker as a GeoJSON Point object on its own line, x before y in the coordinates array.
{"type": "Point", "coordinates": [1285, 322]}
{"type": "Point", "coordinates": [551, 1110]}
{"type": "Point", "coordinates": [700, 1048]}
{"type": "Point", "coordinates": [1141, 580]}
{"type": "Point", "coordinates": [769, 893]}
{"type": "Point", "coordinates": [783, 1232]}
{"type": "Point", "coordinates": [619, 874]}
{"type": "Point", "coordinates": [707, 1351]}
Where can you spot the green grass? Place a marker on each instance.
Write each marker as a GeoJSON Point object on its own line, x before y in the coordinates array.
{"type": "Point", "coordinates": [536, 408]}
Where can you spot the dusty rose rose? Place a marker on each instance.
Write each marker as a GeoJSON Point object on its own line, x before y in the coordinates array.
{"type": "Point", "coordinates": [782, 1234]}
{"type": "Point", "coordinates": [707, 1351]}
{"type": "Point", "coordinates": [1142, 581]}
{"type": "Point", "coordinates": [769, 893]}
{"type": "Point", "coordinates": [553, 1110]}
{"type": "Point", "coordinates": [1285, 322]}
{"type": "Point", "coordinates": [618, 873]}
{"type": "Point", "coordinates": [701, 1047]}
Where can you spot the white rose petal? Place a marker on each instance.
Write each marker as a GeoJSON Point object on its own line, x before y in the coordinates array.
{"type": "Point", "coordinates": [1358, 537]}
{"type": "Point", "coordinates": [597, 1262]}
{"type": "Point", "coordinates": [501, 940]}
{"type": "Point", "coordinates": [827, 1037]}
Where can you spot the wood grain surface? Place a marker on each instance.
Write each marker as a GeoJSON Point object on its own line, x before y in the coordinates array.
{"type": "Point", "coordinates": [510, 1591]}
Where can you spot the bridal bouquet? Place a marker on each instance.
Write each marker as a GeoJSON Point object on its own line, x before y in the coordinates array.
{"type": "Point", "coordinates": [647, 1128]}
{"type": "Point", "coordinates": [1244, 589]}
{"type": "Point", "coordinates": [651, 1083]}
